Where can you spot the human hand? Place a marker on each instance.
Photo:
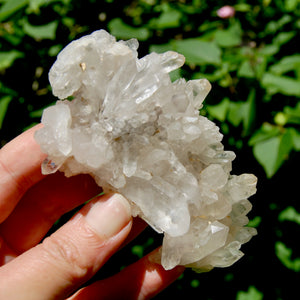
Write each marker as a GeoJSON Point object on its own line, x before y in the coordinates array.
{"type": "Point", "coordinates": [56, 268]}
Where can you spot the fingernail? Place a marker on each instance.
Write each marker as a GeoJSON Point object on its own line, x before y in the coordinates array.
{"type": "Point", "coordinates": [108, 216]}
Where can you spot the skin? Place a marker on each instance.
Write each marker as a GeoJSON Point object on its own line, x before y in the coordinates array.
{"type": "Point", "coordinates": [56, 267]}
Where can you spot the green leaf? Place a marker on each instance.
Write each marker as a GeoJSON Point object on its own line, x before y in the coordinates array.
{"type": "Point", "coordinates": [272, 153]}
{"type": "Point", "coordinates": [123, 31]}
{"type": "Point", "coordinates": [4, 102]}
{"type": "Point", "coordinates": [289, 214]}
{"type": "Point", "coordinates": [41, 32]}
{"type": "Point", "coordinates": [243, 7]}
{"type": "Point", "coordinates": [266, 154]}
{"type": "Point", "coordinates": [54, 50]}
{"type": "Point", "coordinates": [285, 147]}
{"type": "Point", "coordinates": [284, 254]}
{"type": "Point", "coordinates": [168, 19]}
{"type": "Point", "coordinates": [281, 84]}
{"type": "Point", "coordinates": [243, 112]}
{"type": "Point", "coordinates": [254, 222]}
{"type": "Point", "coordinates": [138, 250]}
{"type": "Point", "coordinates": [283, 37]}
{"type": "Point", "coordinates": [195, 283]}
{"type": "Point", "coordinates": [221, 73]}
{"type": "Point", "coordinates": [236, 113]}
{"type": "Point", "coordinates": [249, 113]}
{"type": "Point", "coordinates": [266, 132]}
{"type": "Point", "coordinates": [287, 64]}
{"type": "Point", "coordinates": [8, 58]}
{"type": "Point", "coordinates": [160, 48]}
{"type": "Point", "coordinates": [10, 7]}
{"type": "Point", "coordinates": [246, 70]}
{"type": "Point", "coordinates": [266, 2]}
{"type": "Point", "coordinates": [230, 37]}
{"type": "Point", "coordinates": [251, 294]}
{"type": "Point", "coordinates": [198, 52]}
{"type": "Point", "coordinates": [292, 114]}
{"type": "Point", "coordinates": [7, 91]}
{"type": "Point", "coordinates": [290, 5]}
{"type": "Point", "coordinates": [220, 110]}
{"type": "Point", "coordinates": [296, 138]}
{"type": "Point", "coordinates": [274, 26]}
{"type": "Point", "coordinates": [34, 5]}
{"type": "Point", "coordinates": [269, 50]}
{"type": "Point", "coordinates": [174, 75]}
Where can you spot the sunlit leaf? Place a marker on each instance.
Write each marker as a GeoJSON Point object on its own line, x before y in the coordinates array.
{"type": "Point", "coordinates": [8, 58]}
{"type": "Point", "coordinates": [269, 50]}
{"type": "Point", "coordinates": [296, 138]}
{"type": "Point", "coordinates": [138, 250]}
{"type": "Point", "coordinates": [266, 153]}
{"type": "Point", "coordinates": [220, 110]}
{"type": "Point", "coordinates": [236, 113]}
{"type": "Point", "coordinates": [242, 7]}
{"type": "Point", "coordinates": [123, 31]}
{"type": "Point", "coordinates": [266, 2]}
{"type": "Point", "coordinates": [47, 31]}
{"type": "Point", "coordinates": [34, 5]}
{"type": "Point", "coordinates": [283, 37]}
{"type": "Point", "coordinates": [250, 113]}
{"type": "Point", "coordinates": [246, 70]}
{"type": "Point", "coordinates": [286, 64]}
{"type": "Point", "coordinates": [271, 153]}
{"type": "Point", "coordinates": [198, 52]}
{"type": "Point", "coordinates": [290, 5]}
{"type": "Point", "coordinates": [195, 283]}
{"type": "Point", "coordinates": [266, 132]}
{"type": "Point", "coordinates": [252, 294]}
{"type": "Point", "coordinates": [284, 254]}
{"type": "Point", "coordinates": [254, 222]}
{"type": "Point", "coordinates": [54, 50]}
{"type": "Point", "coordinates": [292, 114]}
{"type": "Point", "coordinates": [168, 19]}
{"type": "Point", "coordinates": [10, 7]}
{"type": "Point", "coordinates": [221, 73]}
{"type": "Point", "coordinates": [289, 214]}
{"type": "Point", "coordinates": [274, 26]}
{"type": "Point", "coordinates": [160, 48]}
{"type": "Point", "coordinates": [229, 37]}
{"type": "Point", "coordinates": [281, 84]}
{"type": "Point", "coordinates": [4, 102]}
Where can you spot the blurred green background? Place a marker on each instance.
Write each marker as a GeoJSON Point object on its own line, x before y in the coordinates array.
{"type": "Point", "coordinates": [249, 51]}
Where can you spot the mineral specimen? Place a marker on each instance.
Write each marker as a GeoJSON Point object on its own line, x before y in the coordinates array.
{"type": "Point", "coordinates": [141, 135]}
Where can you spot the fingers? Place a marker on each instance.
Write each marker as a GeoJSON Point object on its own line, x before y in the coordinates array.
{"type": "Point", "coordinates": [20, 162]}
{"type": "Point", "coordinates": [141, 280]}
{"type": "Point", "coordinates": [72, 255]}
{"type": "Point", "coordinates": [44, 204]}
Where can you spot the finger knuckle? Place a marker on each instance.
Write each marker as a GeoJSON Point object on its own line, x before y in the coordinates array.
{"type": "Point", "coordinates": [66, 255]}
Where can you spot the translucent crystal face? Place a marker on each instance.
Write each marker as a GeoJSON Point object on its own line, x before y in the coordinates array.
{"type": "Point", "coordinates": [141, 135]}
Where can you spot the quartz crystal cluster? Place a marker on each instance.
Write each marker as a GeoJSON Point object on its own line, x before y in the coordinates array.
{"type": "Point", "coordinates": [122, 120]}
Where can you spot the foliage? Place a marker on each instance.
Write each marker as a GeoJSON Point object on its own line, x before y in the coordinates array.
{"type": "Point", "coordinates": [252, 62]}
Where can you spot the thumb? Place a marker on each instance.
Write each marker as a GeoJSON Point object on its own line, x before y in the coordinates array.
{"type": "Point", "coordinates": [70, 256]}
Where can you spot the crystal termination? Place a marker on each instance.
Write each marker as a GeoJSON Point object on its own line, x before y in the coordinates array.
{"type": "Point", "coordinates": [141, 135]}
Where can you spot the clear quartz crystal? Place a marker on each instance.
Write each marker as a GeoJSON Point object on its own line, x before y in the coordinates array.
{"type": "Point", "coordinates": [141, 135]}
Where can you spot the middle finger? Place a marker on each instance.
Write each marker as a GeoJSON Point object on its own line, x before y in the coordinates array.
{"type": "Point", "coordinates": [42, 206]}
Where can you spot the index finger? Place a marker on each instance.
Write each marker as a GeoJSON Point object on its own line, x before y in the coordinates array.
{"type": "Point", "coordinates": [20, 168]}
